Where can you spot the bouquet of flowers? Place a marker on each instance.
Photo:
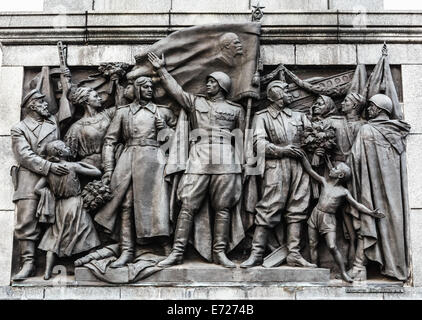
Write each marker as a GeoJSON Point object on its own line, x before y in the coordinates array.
{"type": "Point", "coordinates": [319, 136]}
{"type": "Point", "coordinates": [95, 195]}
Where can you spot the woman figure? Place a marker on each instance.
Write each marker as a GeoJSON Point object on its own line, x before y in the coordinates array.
{"type": "Point", "coordinates": [85, 137]}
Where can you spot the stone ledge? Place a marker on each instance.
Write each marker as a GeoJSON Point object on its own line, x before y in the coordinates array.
{"type": "Point", "coordinates": [208, 293]}
{"type": "Point", "coordinates": [205, 273]}
{"type": "Point", "coordinates": [145, 28]}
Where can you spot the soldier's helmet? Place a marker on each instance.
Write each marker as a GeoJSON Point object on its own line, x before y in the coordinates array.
{"type": "Point", "coordinates": [222, 79]}
{"type": "Point", "coordinates": [383, 102]}
{"type": "Point", "coordinates": [272, 93]}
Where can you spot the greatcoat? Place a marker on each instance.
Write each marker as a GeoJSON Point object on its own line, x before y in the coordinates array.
{"type": "Point", "coordinates": [140, 166]}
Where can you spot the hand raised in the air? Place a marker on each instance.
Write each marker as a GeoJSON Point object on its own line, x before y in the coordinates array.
{"type": "Point", "coordinates": [155, 61]}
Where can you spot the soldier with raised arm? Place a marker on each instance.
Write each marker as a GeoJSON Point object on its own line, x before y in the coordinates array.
{"type": "Point", "coordinates": [213, 168]}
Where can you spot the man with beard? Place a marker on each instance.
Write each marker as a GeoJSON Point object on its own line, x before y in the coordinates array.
{"type": "Point", "coordinates": [29, 137]}
{"type": "Point", "coordinates": [379, 179]}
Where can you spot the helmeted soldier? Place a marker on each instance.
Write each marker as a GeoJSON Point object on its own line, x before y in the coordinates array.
{"type": "Point", "coordinates": [377, 160]}
{"type": "Point", "coordinates": [29, 138]}
{"type": "Point", "coordinates": [286, 186]}
{"type": "Point", "coordinates": [213, 167]}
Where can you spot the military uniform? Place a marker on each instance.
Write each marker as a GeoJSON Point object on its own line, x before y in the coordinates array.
{"type": "Point", "coordinates": [213, 167]}
{"type": "Point", "coordinates": [285, 183]}
{"type": "Point", "coordinates": [137, 182]}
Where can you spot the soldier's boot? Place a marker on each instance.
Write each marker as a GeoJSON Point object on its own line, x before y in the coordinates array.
{"type": "Point", "coordinates": [27, 249]}
{"type": "Point", "coordinates": [294, 258]}
{"type": "Point", "coordinates": [221, 238]}
{"type": "Point", "coordinates": [127, 240]}
{"type": "Point", "coordinates": [181, 238]}
{"type": "Point", "coordinates": [259, 243]}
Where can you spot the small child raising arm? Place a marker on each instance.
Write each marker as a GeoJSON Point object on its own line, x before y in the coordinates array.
{"type": "Point", "coordinates": [323, 220]}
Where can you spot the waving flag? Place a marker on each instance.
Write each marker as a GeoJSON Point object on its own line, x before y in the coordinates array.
{"type": "Point", "coordinates": [193, 53]}
{"type": "Point", "coordinates": [381, 81]}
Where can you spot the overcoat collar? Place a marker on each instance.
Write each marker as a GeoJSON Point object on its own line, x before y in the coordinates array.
{"type": "Point", "coordinates": [47, 126]}
{"type": "Point", "coordinates": [274, 111]}
{"type": "Point", "coordinates": [135, 107]}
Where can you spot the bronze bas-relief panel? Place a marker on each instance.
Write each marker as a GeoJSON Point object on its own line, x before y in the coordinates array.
{"type": "Point", "coordinates": [129, 168]}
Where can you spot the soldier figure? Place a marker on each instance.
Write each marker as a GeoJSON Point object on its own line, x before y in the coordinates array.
{"type": "Point", "coordinates": [136, 178]}
{"type": "Point", "coordinates": [286, 186]}
{"type": "Point", "coordinates": [29, 137]}
{"type": "Point", "coordinates": [216, 117]}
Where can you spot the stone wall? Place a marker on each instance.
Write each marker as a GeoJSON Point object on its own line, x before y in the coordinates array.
{"type": "Point", "coordinates": [208, 6]}
{"type": "Point", "coordinates": [293, 38]}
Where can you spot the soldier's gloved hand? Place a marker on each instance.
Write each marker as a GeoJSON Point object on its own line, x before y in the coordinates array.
{"type": "Point", "coordinates": [59, 169]}
{"type": "Point", "coordinates": [106, 178]}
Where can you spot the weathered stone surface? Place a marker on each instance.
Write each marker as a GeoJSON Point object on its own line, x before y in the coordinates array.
{"type": "Point", "coordinates": [299, 5]}
{"type": "Point", "coordinates": [21, 293]}
{"type": "Point", "coordinates": [30, 55]}
{"type": "Point", "coordinates": [332, 293]}
{"type": "Point", "coordinates": [270, 293]}
{"type": "Point", "coordinates": [315, 19]}
{"type": "Point", "coordinates": [6, 246]}
{"type": "Point", "coordinates": [207, 273]}
{"type": "Point", "coordinates": [376, 19]}
{"type": "Point", "coordinates": [191, 19]}
{"type": "Point", "coordinates": [411, 76]}
{"type": "Point", "coordinates": [50, 20]}
{"type": "Point", "coordinates": [140, 293]}
{"type": "Point", "coordinates": [408, 294]}
{"type": "Point", "coordinates": [144, 19]}
{"type": "Point", "coordinates": [210, 6]}
{"type": "Point", "coordinates": [412, 96]}
{"type": "Point", "coordinates": [326, 54]}
{"type": "Point", "coordinates": [278, 53]}
{"type": "Point", "coordinates": [133, 5]}
{"type": "Point", "coordinates": [77, 55]}
{"type": "Point", "coordinates": [369, 5]}
{"type": "Point", "coordinates": [414, 156]}
{"type": "Point", "coordinates": [93, 55]}
{"type": "Point", "coordinates": [416, 245]}
{"type": "Point", "coordinates": [397, 53]}
{"type": "Point", "coordinates": [6, 186]}
{"type": "Point", "coordinates": [413, 115]}
{"type": "Point", "coordinates": [11, 82]}
{"type": "Point", "coordinates": [225, 293]}
{"type": "Point", "coordinates": [67, 6]}
{"type": "Point", "coordinates": [82, 293]}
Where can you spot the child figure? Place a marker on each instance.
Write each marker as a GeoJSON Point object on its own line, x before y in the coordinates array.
{"type": "Point", "coordinates": [73, 230]}
{"type": "Point", "coordinates": [323, 218]}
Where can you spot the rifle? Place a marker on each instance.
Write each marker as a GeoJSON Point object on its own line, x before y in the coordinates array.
{"type": "Point", "coordinates": [65, 107]}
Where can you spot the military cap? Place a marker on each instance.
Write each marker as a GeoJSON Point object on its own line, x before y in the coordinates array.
{"type": "Point", "coordinates": [31, 95]}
